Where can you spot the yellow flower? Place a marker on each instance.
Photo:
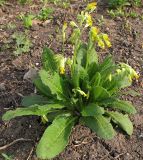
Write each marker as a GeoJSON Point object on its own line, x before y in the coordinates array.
{"type": "Point", "coordinates": [91, 6]}
{"type": "Point", "coordinates": [101, 44]}
{"type": "Point", "coordinates": [65, 26]}
{"type": "Point", "coordinates": [106, 40]}
{"type": "Point", "coordinates": [94, 32]}
{"type": "Point", "coordinates": [130, 78]}
{"type": "Point", "coordinates": [118, 71]}
{"type": "Point", "coordinates": [62, 70]}
{"type": "Point", "coordinates": [82, 93]}
{"type": "Point", "coordinates": [108, 43]}
{"type": "Point", "coordinates": [134, 74]}
{"type": "Point", "coordinates": [73, 24]}
{"type": "Point", "coordinates": [44, 119]}
{"type": "Point", "coordinates": [88, 20]}
{"type": "Point", "coordinates": [62, 65]}
{"type": "Point", "coordinates": [110, 77]}
{"type": "Point", "coordinates": [130, 70]}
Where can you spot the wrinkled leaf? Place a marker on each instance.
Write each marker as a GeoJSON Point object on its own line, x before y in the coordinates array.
{"type": "Point", "coordinates": [131, 93]}
{"type": "Point", "coordinates": [100, 93]}
{"type": "Point", "coordinates": [124, 106]}
{"type": "Point", "coordinates": [81, 55]}
{"type": "Point", "coordinates": [34, 99]}
{"type": "Point", "coordinates": [48, 60]}
{"type": "Point", "coordinates": [96, 79]}
{"type": "Point", "coordinates": [55, 138]}
{"type": "Point", "coordinates": [100, 125]}
{"type": "Point", "coordinates": [78, 74]}
{"type": "Point", "coordinates": [43, 89]}
{"type": "Point", "coordinates": [92, 110]}
{"type": "Point", "coordinates": [92, 56]}
{"type": "Point", "coordinates": [55, 84]}
{"type": "Point", "coordinates": [123, 121]}
{"type": "Point", "coordinates": [31, 110]}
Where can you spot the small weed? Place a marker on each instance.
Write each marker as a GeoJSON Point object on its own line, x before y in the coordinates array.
{"type": "Point", "coordinates": [45, 13]}
{"type": "Point", "coordinates": [116, 13]}
{"type": "Point", "coordinates": [101, 21]}
{"type": "Point", "coordinates": [137, 3]}
{"type": "Point", "coordinates": [27, 20]}
{"type": "Point", "coordinates": [117, 8]}
{"type": "Point", "coordinates": [114, 4]}
{"type": "Point", "coordinates": [23, 44]}
{"type": "Point", "coordinates": [133, 14]}
{"type": "Point", "coordinates": [11, 25]}
{"type": "Point", "coordinates": [2, 2]}
{"type": "Point", "coordinates": [141, 17]}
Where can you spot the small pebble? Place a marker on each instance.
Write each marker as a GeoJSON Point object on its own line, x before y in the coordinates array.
{"type": "Point", "coordinates": [2, 87]}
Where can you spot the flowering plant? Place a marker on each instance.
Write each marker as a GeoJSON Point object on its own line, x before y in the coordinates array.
{"type": "Point", "coordinates": [80, 89]}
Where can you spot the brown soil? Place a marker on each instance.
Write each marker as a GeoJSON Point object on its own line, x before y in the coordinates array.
{"type": "Point", "coordinates": [127, 46]}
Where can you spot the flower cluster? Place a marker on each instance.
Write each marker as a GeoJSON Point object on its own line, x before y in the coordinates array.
{"type": "Point", "coordinates": [102, 39]}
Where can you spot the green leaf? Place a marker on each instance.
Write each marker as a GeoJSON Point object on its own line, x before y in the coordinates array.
{"type": "Point", "coordinates": [79, 74]}
{"type": "Point", "coordinates": [132, 93]}
{"type": "Point", "coordinates": [100, 93]}
{"type": "Point", "coordinates": [96, 79]}
{"type": "Point", "coordinates": [124, 106]}
{"type": "Point", "coordinates": [48, 60]}
{"type": "Point", "coordinates": [92, 110]}
{"type": "Point", "coordinates": [55, 138]}
{"type": "Point", "coordinates": [118, 81]}
{"type": "Point", "coordinates": [31, 110]}
{"type": "Point", "coordinates": [123, 121]}
{"type": "Point", "coordinates": [106, 68]}
{"type": "Point", "coordinates": [92, 70]}
{"type": "Point", "coordinates": [75, 36]}
{"type": "Point", "coordinates": [34, 99]}
{"type": "Point", "coordinates": [100, 125]}
{"type": "Point", "coordinates": [81, 55]}
{"type": "Point", "coordinates": [107, 63]}
{"type": "Point", "coordinates": [43, 89]}
{"type": "Point", "coordinates": [55, 84]}
{"type": "Point", "coordinates": [92, 56]}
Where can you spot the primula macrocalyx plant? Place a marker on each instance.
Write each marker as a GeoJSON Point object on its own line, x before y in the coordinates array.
{"type": "Point", "coordinates": [80, 89]}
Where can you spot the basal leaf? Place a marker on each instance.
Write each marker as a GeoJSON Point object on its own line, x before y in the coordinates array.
{"type": "Point", "coordinates": [100, 125]}
{"type": "Point", "coordinates": [118, 81]}
{"type": "Point", "coordinates": [55, 83]}
{"type": "Point", "coordinates": [107, 63]}
{"type": "Point", "coordinates": [55, 138]}
{"type": "Point", "coordinates": [96, 79]}
{"type": "Point", "coordinates": [92, 56]}
{"type": "Point", "coordinates": [100, 93]}
{"type": "Point", "coordinates": [48, 60]}
{"type": "Point", "coordinates": [92, 110]}
{"type": "Point", "coordinates": [132, 93]}
{"type": "Point", "coordinates": [123, 121]}
{"type": "Point", "coordinates": [75, 35]}
{"type": "Point", "coordinates": [106, 68]}
{"type": "Point", "coordinates": [124, 106]}
{"type": "Point", "coordinates": [81, 55]}
{"type": "Point", "coordinates": [34, 99]}
{"type": "Point", "coordinates": [92, 70]}
{"type": "Point", "coordinates": [79, 74]}
{"type": "Point", "coordinates": [31, 110]}
{"type": "Point", "coordinates": [43, 89]}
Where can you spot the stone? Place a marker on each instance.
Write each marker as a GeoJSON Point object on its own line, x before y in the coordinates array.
{"type": "Point", "coordinates": [31, 74]}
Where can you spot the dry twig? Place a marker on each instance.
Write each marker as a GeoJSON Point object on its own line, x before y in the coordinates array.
{"type": "Point", "coordinates": [29, 156]}
{"type": "Point", "coordinates": [15, 141]}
